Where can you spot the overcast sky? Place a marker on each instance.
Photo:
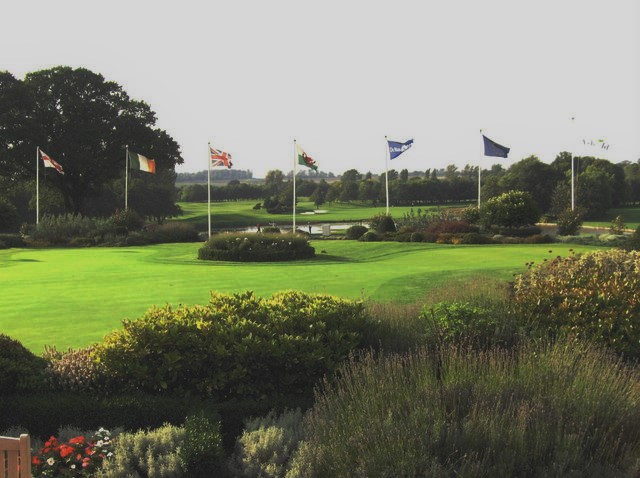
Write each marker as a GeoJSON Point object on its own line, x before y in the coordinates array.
{"type": "Point", "coordinates": [250, 76]}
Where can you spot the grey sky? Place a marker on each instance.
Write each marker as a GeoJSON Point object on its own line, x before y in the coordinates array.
{"type": "Point", "coordinates": [250, 76]}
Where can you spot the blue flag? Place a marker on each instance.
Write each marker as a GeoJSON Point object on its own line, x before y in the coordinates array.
{"type": "Point", "coordinates": [491, 148]}
{"type": "Point", "coordinates": [396, 149]}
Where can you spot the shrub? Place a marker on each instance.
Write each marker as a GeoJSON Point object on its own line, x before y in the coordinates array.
{"type": "Point", "coordinates": [9, 217]}
{"type": "Point", "coordinates": [475, 238]}
{"type": "Point", "coordinates": [271, 230]}
{"type": "Point", "coordinates": [267, 444]}
{"type": "Point", "coordinates": [12, 240]}
{"type": "Point", "coordinates": [471, 324]}
{"type": "Point", "coordinates": [451, 227]}
{"type": "Point", "coordinates": [61, 229]}
{"type": "Point", "coordinates": [511, 209]}
{"type": "Point", "coordinates": [382, 223]}
{"type": "Point", "coordinates": [171, 232]}
{"type": "Point", "coordinates": [75, 371]}
{"type": "Point", "coordinates": [633, 243]}
{"type": "Point", "coordinates": [355, 232]}
{"type": "Point", "coordinates": [617, 226]}
{"type": "Point", "coordinates": [569, 222]}
{"type": "Point", "coordinates": [417, 237]}
{"type": "Point", "coordinates": [370, 236]}
{"type": "Point", "coordinates": [127, 220]}
{"type": "Point", "coordinates": [20, 370]}
{"type": "Point", "coordinates": [147, 453]}
{"type": "Point", "coordinates": [256, 248]}
{"type": "Point", "coordinates": [471, 214]}
{"type": "Point", "coordinates": [594, 295]}
{"type": "Point", "coordinates": [238, 345]}
{"type": "Point", "coordinates": [522, 231]}
{"type": "Point", "coordinates": [44, 413]}
{"type": "Point", "coordinates": [559, 410]}
{"type": "Point", "coordinates": [538, 239]}
{"type": "Point", "coordinates": [202, 454]}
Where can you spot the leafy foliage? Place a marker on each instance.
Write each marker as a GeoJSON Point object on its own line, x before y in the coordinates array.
{"type": "Point", "coordinates": [382, 223]}
{"type": "Point", "coordinates": [537, 411]}
{"type": "Point", "coordinates": [202, 454]}
{"type": "Point", "coordinates": [267, 444]}
{"type": "Point", "coordinates": [511, 209]}
{"type": "Point", "coordinates": [594, 295]}
{"type": "Point", "coordinates": [569, 222]}
{"type": "Point", "coordinates": [256, 248]}
{"type": "Point", "coordinates": [355, 232]}
{"type": "Point", "coordinates": [238, 345]}
{"type": "Point", "coordinates": [20, 370]}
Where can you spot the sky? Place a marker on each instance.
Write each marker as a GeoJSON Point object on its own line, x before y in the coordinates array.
{"type": "Point", "coordinates": [340, 75]}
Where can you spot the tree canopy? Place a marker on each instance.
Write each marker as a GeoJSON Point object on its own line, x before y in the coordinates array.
{"type": "Point", "coordinates": [83, 122]}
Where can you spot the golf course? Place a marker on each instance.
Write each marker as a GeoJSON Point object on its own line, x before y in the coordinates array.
{"type": "Point", "coordinates": [71, 297]}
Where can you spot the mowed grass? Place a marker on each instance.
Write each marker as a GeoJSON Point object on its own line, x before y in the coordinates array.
{"type": "Point", "coordinates": [233, 214]}
{"type": "Point", "coordinates": [73, 297]}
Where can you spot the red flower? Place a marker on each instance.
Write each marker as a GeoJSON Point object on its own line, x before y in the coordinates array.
{"type": "Point", "coordinates": [79, 456]}
{"type": "Point", "coordinates": [36, 461]}
{"type": "Point", "coordinates": [65, 450]}
{"type": "Point", "coordinates": [79, 440]}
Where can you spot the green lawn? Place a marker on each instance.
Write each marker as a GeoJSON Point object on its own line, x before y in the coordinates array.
{"type": "Point", "coordinates": [241, 213]}
{"type": "Point", "coordinates": [72, 297]}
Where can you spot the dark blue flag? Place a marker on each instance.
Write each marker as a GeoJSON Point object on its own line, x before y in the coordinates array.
{"type": "Point", "coordinates": [396, 149]}
{"type": "Point", "coordinates": [491, 148]}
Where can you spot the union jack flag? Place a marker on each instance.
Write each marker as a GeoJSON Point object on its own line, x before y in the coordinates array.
{"type": "Point", "coordinates": [220, 158]}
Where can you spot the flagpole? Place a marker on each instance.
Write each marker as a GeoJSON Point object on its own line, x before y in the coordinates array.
{"type": "Point", "coordinates": [479, 172]}
{"type": "Point", "coordinates": [209, 186]}
{"type": "Point", "coordinates": [573, 189]}
{"type": "Point", "coordinates": [386, 167]}
{"type": "Point", "coordinates": [37, 184]}
{"type": "Point", "coordinates": [126, 177]}
{"type": "Point", "coordinates": [294, 185]}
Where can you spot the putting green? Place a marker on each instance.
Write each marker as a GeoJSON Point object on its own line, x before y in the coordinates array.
{"type": "Point", "coordinates": [72, 297]}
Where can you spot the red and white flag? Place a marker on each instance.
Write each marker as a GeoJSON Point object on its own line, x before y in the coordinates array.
{"type": "Point", "coordinates": [50, 163]}
{"type": "Point", "coordinates": [220, 158]}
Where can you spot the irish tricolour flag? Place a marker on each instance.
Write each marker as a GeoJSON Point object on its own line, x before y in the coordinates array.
{"type": "Point", "coordinates": [137, 161]}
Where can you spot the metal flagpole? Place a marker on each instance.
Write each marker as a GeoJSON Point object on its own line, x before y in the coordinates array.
{"type": "Point", "coordinates": [386, 167]}
{"type": "Point", "coordinates": [573, 189]}
{"type": "Point", "coordinates": [209, 186]}
{"type": "Point", "coordinates": [479, 171]}
{"type": "Point", "coordinates": [294, 184]}
{"type": "Point", "coordinates": [37, 184]}
{"type": "Point", "coordinates": [126, 177]}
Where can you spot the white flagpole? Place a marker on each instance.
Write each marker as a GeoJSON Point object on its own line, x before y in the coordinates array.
{"type": "Point", "coordinates": [37, 184]}
{"type": "Point", "coordinates": [573, 189]}
{"type": "Point", "coordinates": [386, 167]}
{"type": "Point", "coordinates": [295, 153]}
{"type": "Point", "coordinates": [209, 186]}
{"type": "Point", "coordinates": [479, 170]}
{"type": "Point", "coordinates": [126, 177]}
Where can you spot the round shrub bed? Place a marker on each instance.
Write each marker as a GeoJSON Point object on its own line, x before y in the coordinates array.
{"type": "Point", "coordinates": [256, 248]}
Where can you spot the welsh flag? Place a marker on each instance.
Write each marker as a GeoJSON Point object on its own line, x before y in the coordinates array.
{"type": "Point", "coordinates": [305, 160]}
{"type": "Point", "coordinates": [50, 163]}
{"type": "Point", "coordinates": [137, 161]}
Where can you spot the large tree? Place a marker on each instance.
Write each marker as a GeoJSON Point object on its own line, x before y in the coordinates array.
{"type": "Point", "coordinates": [84, 122]}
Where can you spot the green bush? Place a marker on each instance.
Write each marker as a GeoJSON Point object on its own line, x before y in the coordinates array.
{"type": "Point", "coordinates": [20, 370]}
{"type": "Point", "coordinates": [370, 236]}
{"type": "Point", "coordinates": [595, 295]}
{"type": "Point", "coordinates": [256, 248]}
{"type": "Point", "coordinates": [202, 454]}
{"type": "Point", "coordinates": [126, 219]}
{"type": "Point", "coordinates": [560, 410]}
{"type": "Point", "coordinates": [382, 223]}
{"type": "Point", "coordinates": [569, 222]}
{"type": "Point", "coordinates": [509, 210]}
{"type": "Point", "coordinates": [267, 444]}
{"type": "Point", "coordinates": [12, 240]}
{"type": "Point", "coordinates": [271, 230]}
{"type": "Point", "coordinates": [475, 238]}
{"type": "Point", "coordinates": [171, 232]}
{"type": "Point", "coordinates": [238, 345]}
{"type": "Point", "coordinates": [147, 453]}
{"type": "Point", "coordinates": [416, 237]}
{"type": "Point", "coordinates": [61, 229]}
{"type": "Point", "coordinates": [633, 243]}
{"type": "Point", "coordinates": [451, 226]}
{"type": "Point", "coordinates": [473, 325]}
{"type": "Point", "coordinates": [355, 232]}
{"type": "Point", "coordinates": [522, 231]}
{"type": "Point", "coordinates": [9, 217]}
